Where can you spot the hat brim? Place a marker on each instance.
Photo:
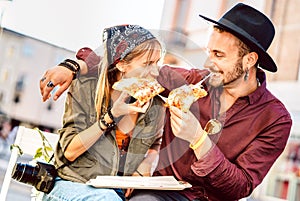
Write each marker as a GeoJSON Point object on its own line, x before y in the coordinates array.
{"type": "Point", "coordinates": [265, 61]}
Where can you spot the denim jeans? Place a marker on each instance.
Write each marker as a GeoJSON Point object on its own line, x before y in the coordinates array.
{"type": "Point", "coordinates": [71, 191]}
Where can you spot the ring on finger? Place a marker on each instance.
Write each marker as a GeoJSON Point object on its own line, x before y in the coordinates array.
{"type": "Point", "coordinates": [43, 79]}
{"type": "Point", "coordinates": [50, 84]}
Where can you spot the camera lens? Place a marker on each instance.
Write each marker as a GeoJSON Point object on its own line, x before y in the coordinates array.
{"type": "Point", "coordinates": [25, 173]}
{"type": "Point", "coordinates": [42, 176]}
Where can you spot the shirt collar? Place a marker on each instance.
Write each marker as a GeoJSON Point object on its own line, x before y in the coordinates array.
{"type": "Point", "coordinates": [254, 96]}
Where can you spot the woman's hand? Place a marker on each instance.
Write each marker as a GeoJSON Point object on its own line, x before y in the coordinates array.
{"type": "Point", "coordinates": [120, 107]}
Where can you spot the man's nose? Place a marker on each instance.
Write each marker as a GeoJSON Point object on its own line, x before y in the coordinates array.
{"type": "Point", "coordinates": [208, 63]}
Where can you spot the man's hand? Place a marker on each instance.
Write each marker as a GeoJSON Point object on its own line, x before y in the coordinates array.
{"type": "Point", "coordinates": [184, 124]}
{"type": "Point", "coordinates": [56, 76]}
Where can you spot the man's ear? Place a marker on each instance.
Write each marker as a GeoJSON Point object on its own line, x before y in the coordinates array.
{"type": "Point", "coordinates": [251, 59]}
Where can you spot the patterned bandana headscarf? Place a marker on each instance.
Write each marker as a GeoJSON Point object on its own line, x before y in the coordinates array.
{"type": "Point", "coordinates": [122, 39]}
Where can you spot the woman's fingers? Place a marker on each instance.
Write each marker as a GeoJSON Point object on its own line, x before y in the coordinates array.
{"type": "Point", "coordinates": [136, 107]}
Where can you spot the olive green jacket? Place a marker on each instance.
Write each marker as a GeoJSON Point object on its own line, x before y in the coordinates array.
{"type": "Point", "coordinates": [102, 158]}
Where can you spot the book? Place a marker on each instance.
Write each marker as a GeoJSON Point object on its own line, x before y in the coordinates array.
{"type": "Point", "coordinates": [154, 183]}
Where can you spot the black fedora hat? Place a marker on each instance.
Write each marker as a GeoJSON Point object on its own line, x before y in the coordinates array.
{"type": "Point", "coordinates": [253, 28]}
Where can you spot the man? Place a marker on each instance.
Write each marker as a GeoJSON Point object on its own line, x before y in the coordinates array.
{"type": "Point", "coordinates": [229, 163]}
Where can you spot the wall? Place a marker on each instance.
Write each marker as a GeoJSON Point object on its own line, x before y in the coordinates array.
{"type": "Point", "coordinates": [23, 60]}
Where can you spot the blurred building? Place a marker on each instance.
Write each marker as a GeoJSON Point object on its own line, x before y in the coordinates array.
{"type": "Point", "coordinates": [190, 31]}
{"type": "Point", "coordinates": [23, 60]}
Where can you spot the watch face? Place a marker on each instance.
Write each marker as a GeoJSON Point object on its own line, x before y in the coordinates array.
{"type": "Point", "coordinates": [213, 126]}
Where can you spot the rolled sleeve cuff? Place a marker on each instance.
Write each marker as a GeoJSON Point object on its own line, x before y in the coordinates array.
{"type": "Point", "coordinates": [89, 133]}
{"type": "Point", "coordinates": [91, 59]}
{"type": "Point", "coordinates": [209, 162]}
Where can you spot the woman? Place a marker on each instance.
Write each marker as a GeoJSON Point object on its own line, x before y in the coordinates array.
{"type": "Point", "coordinates": [120, 137]}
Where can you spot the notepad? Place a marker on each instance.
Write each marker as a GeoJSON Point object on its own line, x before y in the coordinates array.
{"type": "Point", "coordinates": [155, 182]}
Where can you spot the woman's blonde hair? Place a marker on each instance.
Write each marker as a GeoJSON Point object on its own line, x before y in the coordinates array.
{"type": "Point", "coordinates": [108, 73]}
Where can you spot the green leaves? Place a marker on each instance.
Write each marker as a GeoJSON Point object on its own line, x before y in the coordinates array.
{"type": "Point", "coordinates": [18, 147]}
{"type": "Point", "coordinates": [46, 151]}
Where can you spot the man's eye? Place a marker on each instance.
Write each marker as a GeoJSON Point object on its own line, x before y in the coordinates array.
{"type": "Point", "coordinates": [218, 54]}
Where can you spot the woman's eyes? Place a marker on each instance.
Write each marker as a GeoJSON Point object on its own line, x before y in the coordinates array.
{"type": "Point", "coordinates": [149, 64]}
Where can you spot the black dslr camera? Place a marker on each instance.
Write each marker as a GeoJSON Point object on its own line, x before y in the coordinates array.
{"type": "Point", "coordinates": [42, 176]}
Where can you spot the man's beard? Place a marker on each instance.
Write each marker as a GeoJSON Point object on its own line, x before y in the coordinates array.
{"type": "Point", "coordinates": [217, 79]}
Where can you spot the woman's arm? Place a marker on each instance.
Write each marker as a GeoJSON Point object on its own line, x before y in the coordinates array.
{"type": "Point", "coordinates": [80, 128]}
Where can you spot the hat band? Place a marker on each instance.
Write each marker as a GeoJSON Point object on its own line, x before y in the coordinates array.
{"type": "Point", "coordinates": [235, 29]}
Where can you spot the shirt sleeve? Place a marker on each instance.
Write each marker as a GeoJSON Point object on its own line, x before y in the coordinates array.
{"type": "Point", "coordinates": [79, 112]}
{"type": "Point", "coordinates": [248, 170]}
{"type": "Point", "coordinates": [174, 77]}
{"type": "Point", "coordinates": [91, 59]}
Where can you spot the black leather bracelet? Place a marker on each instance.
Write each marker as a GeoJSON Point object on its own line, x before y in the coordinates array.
{"type": "Point", "coordinates": [111, 116]}
{"type": "Point", "coordinates": [74, 63]}
{"type": "Point", "coordinates": [70, 67]}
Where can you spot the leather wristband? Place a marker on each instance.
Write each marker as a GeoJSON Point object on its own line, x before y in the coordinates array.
{"type": "Point", "coordinates": [71, 65]}
{"type": "Point", "coordinates": [76, 65]}
{"type": "Point", "coordinates": [200, 141]}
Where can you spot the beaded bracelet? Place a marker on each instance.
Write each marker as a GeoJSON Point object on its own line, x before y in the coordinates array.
{"type": "Point", "coordinates": [107, 125]}
{"type": "Point", "coordinates": [111, 116]}
{"type": "Point", "coordinates": [199, 141]}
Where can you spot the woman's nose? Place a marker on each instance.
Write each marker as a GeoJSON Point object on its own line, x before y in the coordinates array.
{"type": "Point", "coordinates": [154, 71]}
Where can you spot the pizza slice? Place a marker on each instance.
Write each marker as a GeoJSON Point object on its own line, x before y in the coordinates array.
{"type": "Point", "coordinates": [142, 89]}
{"type": "Point", "coordinates": [184, 96]}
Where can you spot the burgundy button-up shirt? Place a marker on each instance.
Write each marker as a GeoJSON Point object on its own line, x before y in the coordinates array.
{"type": "Point", "coordinates": [255, 131]}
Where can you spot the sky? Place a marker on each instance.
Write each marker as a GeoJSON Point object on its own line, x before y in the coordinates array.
{"type": "Point", "coordinates": [72, 24]}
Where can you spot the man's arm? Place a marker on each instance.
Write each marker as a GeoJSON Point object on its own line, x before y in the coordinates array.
{"type": "Point", "coordinates": [62, 76]}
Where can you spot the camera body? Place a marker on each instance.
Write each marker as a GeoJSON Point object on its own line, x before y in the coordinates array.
{"type": "Point", "coordinates": [42, 176]}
